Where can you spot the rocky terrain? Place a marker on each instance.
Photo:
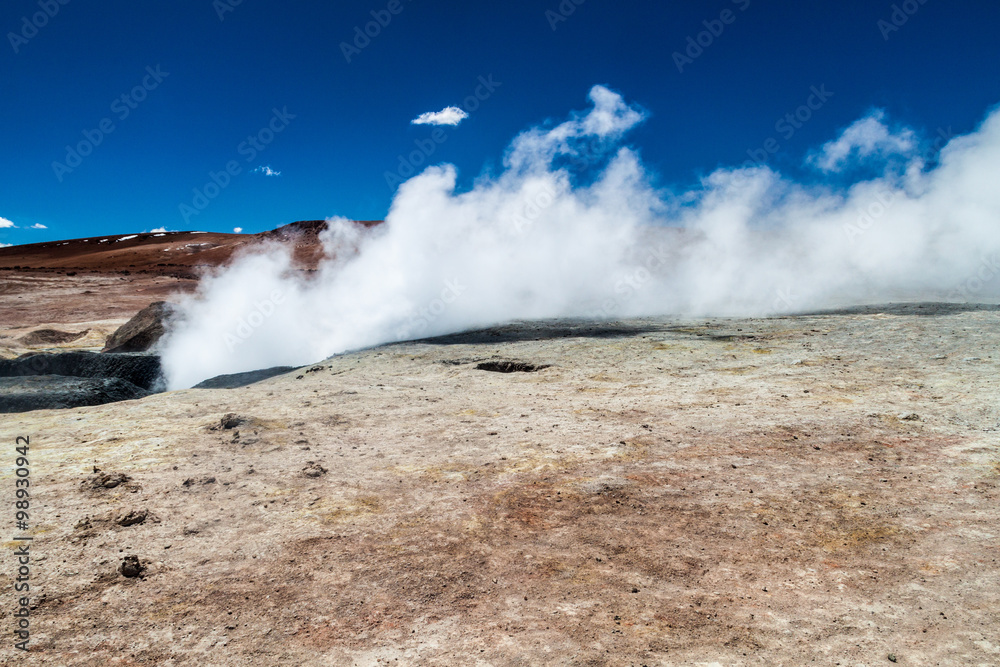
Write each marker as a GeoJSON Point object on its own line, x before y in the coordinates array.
{"type": "Point", "coordinates": [819, 489]}
{"type": "Point", "coordinates": [72, 295]}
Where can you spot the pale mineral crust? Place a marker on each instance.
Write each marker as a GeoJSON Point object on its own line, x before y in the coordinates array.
{"type": "Point", "coordinates": [816, 489]}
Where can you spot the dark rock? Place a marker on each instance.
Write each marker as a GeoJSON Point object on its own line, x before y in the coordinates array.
{"type": "Point", "coordinates": [73, 379]}
{"type": "Point", "coordinates": [141, 370]}
{"type": "Point", "coordinates": [314, 469]}
{"type": "Point", "coordinates": [235, 380]}
{"type": "Point", "coordinates": [141, 332]}
{"type": "Point", "coordinates": [509, 367]}
{"type": "Point", "coordinates": [106, 480]}
{"type": "Point", "coordinates": [459, 362]}
{"type": "Point", "coordinates": [231, 420]}
{"type": "Point", "coordinates": [51, 337]}
{"type": "Point", "coordinates": [131, 567]}
{"type": "Point", "coordinates": [132, 517]}
{"type": "Point", "coordinates": [54, 392]}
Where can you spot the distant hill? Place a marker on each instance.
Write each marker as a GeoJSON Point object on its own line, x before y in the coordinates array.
{"type": "Point", "coordinates": [162, 252]}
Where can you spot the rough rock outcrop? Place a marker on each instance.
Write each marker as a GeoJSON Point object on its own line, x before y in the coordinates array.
{"type": "Point", "coordinates": [49, 392]}
{"type": "Point", "coordinates": [52, 337]}
{"type": "Point", "coordinates": [74, 379]}
{"type": "Point", "coordinates": [234, 380]}
{"type": "Point", "coordinates": [142, 370]}
{"type": "Point", "coordinates": [141, 332]}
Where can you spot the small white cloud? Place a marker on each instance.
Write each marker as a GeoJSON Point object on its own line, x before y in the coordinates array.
{"type": "Point", "coordinates": [38, 225]}
{"type": "Point", "coordinates": [158, 230]}
{"type": "Point", "coordinates": [237, 230]}
{"type": "Point", "coordinates": [6, 245]}
{"type": "Point", "coordinates": [266, 170]}
{"type": "Point", "coordinates": [862, 139]}
{"type": "Point", "coordinates": [4, 222]}
{"type": "Point", "coordinates": [447, 116]}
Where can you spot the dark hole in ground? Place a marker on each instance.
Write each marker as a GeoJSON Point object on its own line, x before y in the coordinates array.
{"type": "Point", "coordinates": [231, 420]}
{"type": "Point", "coordinates": [509, 367]}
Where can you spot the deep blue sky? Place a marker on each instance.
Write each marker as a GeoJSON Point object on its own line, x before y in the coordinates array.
{"type": "Point", "coordinates": [938, 71]}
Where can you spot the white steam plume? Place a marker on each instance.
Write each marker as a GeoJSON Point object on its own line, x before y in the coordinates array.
{"type": "Point", "coordinates": [864, 138]}
{"type": "Point", "coordinates": [573, 228]}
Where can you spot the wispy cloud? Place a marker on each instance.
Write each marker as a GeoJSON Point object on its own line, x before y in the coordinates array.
{"type": "Point", "coordinates": [237, 230]}
{"type": "Point", "coordinates": [864, 138]}
{"type": "Point", "coordinates": [4, 222]}
{"type": "Point", "coordinates": [266, 170]}
{"type": "Point", "coordinates": [6, 245]}
{"type": "Point", "coordinates": [447, 116]}
{"type": "Point", "coordinates": [38, 225]}
{"type": "Point", "coordinates": [158, 230]}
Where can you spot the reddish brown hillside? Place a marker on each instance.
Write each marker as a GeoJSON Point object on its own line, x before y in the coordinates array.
{"type": "Point", "coordinates": [113, 277]}
{"type": "Point", "coordinates": [160, 252]}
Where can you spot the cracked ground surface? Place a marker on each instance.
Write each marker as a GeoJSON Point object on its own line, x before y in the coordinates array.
{"type": "Point", "coordinates": [819, 489]}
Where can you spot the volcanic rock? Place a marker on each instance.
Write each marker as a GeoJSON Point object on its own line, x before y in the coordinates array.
{"type": "Point", "coordinates": [314, 469]}
{"type": "Point", "coordinates": [234, 380]}
{"type": "Point", "coordinates": [131, 567]}
{"type": "Point", "coordinates": [52, 392]}
{"type": "Point", "coordinates": [106, 480]}
{"type": "Point", "coordinates": [231, 420]}
{"type": "Point", "coordinates": [141, 370]}
{"type": "Point", "coordinates": [141, 332]}
{"type": "Point", "coordinates": [132, 517]}
{"type": "Point", "coordinates": [509, 367]}
{"type": "Point", "coordinates": [51, 337]}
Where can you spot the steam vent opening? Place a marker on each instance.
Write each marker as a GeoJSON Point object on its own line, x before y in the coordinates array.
{"type": "Point", "coordinates": [509, 367]}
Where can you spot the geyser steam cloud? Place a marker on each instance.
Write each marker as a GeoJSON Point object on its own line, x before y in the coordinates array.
{"type": "Point", "coordinates": [573, 227]}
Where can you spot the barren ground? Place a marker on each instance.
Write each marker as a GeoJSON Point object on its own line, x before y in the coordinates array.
{"type": "Point", "coordinates": [799, 490]}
